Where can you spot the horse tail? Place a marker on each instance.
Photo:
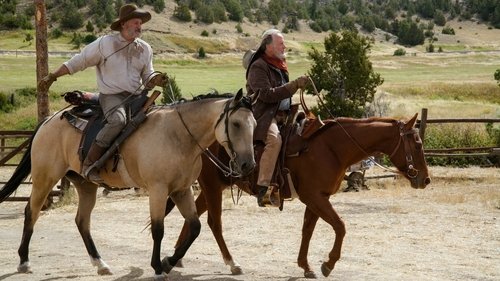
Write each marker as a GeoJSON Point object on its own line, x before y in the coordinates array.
{"type": "Point", "coordinates": [21, 173]}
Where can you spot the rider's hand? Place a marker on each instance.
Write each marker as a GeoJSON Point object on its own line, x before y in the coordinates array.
{"type": "Point", "coordinates": [299, 83]}
{"type": "Point", "coordinates": [46, 81]}
{"type": "Point", "coordinates": [302, 81]}
{"type": "Point", "coordinates": [160, 79]}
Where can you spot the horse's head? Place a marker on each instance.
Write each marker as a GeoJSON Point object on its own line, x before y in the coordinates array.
{"type": "Point", "coordinates": [234, 131]}
{"type": "Point", "coordinates": [408, 156]}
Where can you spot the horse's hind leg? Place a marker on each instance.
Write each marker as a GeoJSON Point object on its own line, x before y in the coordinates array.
{"type": "Point", "coordinates": [42, 184]}
{"type": "Point", "coordinates": [87, 193]}
{"type": "Point", "coordinates": [184, 200]}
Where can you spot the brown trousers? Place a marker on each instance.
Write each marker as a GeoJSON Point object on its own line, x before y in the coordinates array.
{"type": "Point", "coordinates": [269, 155]}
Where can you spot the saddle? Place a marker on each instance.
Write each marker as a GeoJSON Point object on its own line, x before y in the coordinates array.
{"type": "Point", "coordinates": [295, 132]}
{"type": "Point", "coordinates": [87, 115]}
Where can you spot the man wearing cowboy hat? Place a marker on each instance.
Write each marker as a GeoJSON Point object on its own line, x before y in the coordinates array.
{"type": "Point", "coordinates": [268, 84]}
{"type": "Point", "coordinates": [124, 63]}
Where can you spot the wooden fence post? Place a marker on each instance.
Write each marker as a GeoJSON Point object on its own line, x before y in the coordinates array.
{"type": "Point", "coordinates": [42, 64]}
{"type": "Point", "coordinates": [423, 124]}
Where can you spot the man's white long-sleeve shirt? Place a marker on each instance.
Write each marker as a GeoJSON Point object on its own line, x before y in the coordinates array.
{"type": "Point", "coordinates": [121, 66]}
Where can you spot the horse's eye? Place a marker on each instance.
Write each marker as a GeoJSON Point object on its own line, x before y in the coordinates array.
{"type": "Point", "coordinates": [236, 125]}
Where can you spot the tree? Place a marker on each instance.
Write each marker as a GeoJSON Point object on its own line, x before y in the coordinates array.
{"type": "Point", "coordinates": [344, 71]}
{"type": "Point", "coordinates": [171, 92]}
{"type": "Point", "coordinates": [182, 13]}
{"type": "Point", "coordinates": [410, 34]}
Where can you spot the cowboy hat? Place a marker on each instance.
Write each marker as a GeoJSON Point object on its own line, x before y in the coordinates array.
{"type": "Point", "coordinates": [130, 11]}
{"type": "Point", "coordinates": [247, 57]}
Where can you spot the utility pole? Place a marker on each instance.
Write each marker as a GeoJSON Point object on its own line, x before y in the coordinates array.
{"type": "Point", "coordinates": [42, 63]}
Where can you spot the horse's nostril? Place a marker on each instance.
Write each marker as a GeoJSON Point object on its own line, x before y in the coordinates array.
{"type": "Point", "coordinates": [427, 181]}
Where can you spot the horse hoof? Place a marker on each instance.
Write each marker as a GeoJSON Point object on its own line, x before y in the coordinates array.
{"type": "Point", "coordinates": [236, 270]}
{"type": "Point", "coordinates": [24, 268]}
{"type": "Point", "coordinates": [165, 265]}
{"type": "Point", "coordinates": [104, 271]}
{"type": "Point", "coordinates": [325, 270]}
{"type": "Point", "coordinates": [179, 264]}
{"type": "Point", "coordinates": [160, 277]}
{"type": "Point", "coordinates": [310, 275]}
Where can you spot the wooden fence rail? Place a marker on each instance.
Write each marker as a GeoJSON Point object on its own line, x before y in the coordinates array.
{"type": "Point", "coordinates": [9, 149]}
{"type": "Point", "coordinates": [456, 152]}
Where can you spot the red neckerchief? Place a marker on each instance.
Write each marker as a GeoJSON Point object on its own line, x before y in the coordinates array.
{"type": "Point", "coordinates": [281, 64]}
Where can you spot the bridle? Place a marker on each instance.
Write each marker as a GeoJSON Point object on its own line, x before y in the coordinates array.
{"type": "Point", "coordinates": [244, 102]}
{"type": "Point", "coordinates": [411, 172]}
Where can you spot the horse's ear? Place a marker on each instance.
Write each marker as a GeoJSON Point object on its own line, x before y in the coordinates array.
{"type": "Point", "coordinates": [409, 125]}
{"type": "Point", "coordinates": [239, 95]}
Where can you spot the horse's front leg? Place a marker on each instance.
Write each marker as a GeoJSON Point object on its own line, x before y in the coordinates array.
{"type": "Point", "coordinates": [87, 193]}
{"type": "Point", "coordinates": [321, 206]}
{"type": "Point", "coordinates": [310, 220]}
{"type": "Point", "coordinates": [157, 203]}
{"type": "Point", "coordinates": [184, 200]}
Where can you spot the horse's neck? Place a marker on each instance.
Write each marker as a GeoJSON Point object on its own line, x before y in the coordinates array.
{"type": "Point", "coordinates": [200, 118]}
{"type": "Point", "coordinates": [356, 141]}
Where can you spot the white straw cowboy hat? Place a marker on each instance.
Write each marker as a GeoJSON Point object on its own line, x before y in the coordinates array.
{"type": "Point", "coordinates": [130, 11]}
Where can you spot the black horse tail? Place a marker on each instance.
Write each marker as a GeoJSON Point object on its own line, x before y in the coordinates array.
{"type": "Point", "coordinates": [21, 173]}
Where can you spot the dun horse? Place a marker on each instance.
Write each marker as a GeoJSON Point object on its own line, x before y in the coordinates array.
{"type": "Point", "coordinates": [317, 174]}
{"type": "Point", "coordinates": [163, 156]}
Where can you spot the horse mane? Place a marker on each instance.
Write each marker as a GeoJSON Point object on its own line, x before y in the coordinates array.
{"type": "Point", "coordinates": [361, 120]}
{"type": "Point", "coordinates": [212, 95]}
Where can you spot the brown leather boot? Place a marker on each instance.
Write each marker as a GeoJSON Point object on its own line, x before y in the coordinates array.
{"type": "Point", "coordinates": [92, 174]}
{"type": "Point", "coordinates": [261, 192]}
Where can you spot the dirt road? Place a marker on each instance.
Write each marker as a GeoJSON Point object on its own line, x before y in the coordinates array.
{"type": "Point", "coordinates": [449, 231]}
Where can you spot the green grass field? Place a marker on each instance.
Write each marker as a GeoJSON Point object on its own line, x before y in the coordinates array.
{"type": "Point", "coordinates": [452, 85]}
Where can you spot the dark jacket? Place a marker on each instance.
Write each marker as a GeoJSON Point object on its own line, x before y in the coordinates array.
{"type": "Point", "coordinates": [265, 84]}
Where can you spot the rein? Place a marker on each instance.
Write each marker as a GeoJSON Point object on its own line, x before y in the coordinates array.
{"type": "Point", "coordinates": [411, 172]}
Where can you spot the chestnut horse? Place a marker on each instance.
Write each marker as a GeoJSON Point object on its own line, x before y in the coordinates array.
{"type": "Point", "coordinates": [317, 174]}
{"type": "Point", "coordinates": [162, 156]}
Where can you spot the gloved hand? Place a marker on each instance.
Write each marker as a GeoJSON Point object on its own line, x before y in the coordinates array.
{"type": "Point", "coordinates": [299, 83]}
{"type": "Point", "coordinates": [302, 81]}
{"type": "Point", "coordinates": [46, 81]}
{"type": "Point", "coordinates": [160, 79]}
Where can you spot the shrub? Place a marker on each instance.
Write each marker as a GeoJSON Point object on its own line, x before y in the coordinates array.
{"type": "Point", "coordinates": [6, 103]}
{"type": "Point", "coordinates": [239, 29]}
{"type": "Point", "coordinates": [440, 136]}
{"type": "Point", "coordinates": [89, 27]}
{"type": "Point", "coordinates": [204, 33]}
{"type": "Point", "coordinates": [182, 13]}
{"type": "Point", "coordinates": [89, 38]}
{"type": "Point", "coordinates": [430, 48]}
{"type": "Point", "coordinates": [448, 30]}
{"type": "Point", "coordinates": [56, 33]}
{"type": "Point", "coordinates": [201, 53]}
{"type": "Point", "coordinates": [399, 52]}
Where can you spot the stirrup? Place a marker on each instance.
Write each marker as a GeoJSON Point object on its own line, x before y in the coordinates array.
{"type": "Point", "coordinates": [92, 175]}
{"type": "Point", "coordinates": [271, 198]}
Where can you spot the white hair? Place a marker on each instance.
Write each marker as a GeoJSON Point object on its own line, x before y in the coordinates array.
{"type": "Point", "coordinates": [271, 31]}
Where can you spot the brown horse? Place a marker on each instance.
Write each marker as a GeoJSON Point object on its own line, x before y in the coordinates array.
{"type": "Point", "coordinates": [162, 156]}
{"type": "Point", "coordinates": [317, 174]}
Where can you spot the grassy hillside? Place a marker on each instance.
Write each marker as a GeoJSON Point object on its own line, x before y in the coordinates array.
{"type": "Point", "coordinates": [457, 82]}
